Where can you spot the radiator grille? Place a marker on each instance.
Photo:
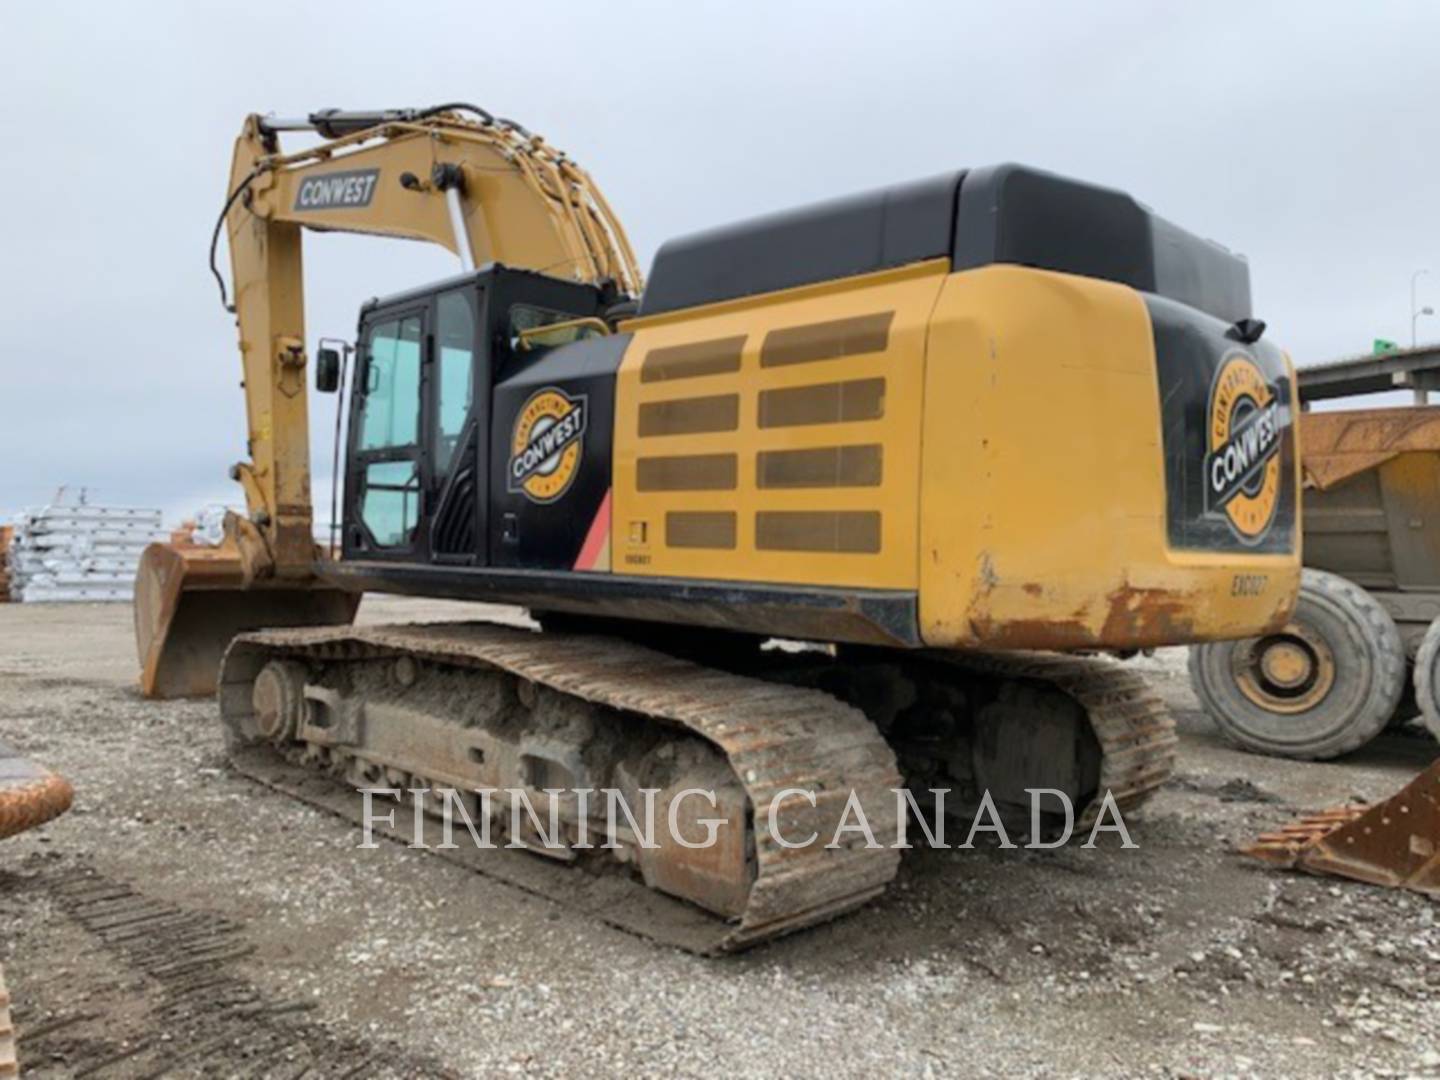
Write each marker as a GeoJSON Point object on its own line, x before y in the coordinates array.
{"type": "Point", "coordinates": [827, 403]}
{"type": "Point", "coordinates": [826, 340]}
{"type": "Point", "coordinates": [788, 454]}
{"type": "Point", "coordinates": [718, 357]}
{"type": "Point", "coordinates": [689, 472]}
{"type": "Point", "coordinates": [700, 529]}
{"type": "Point", "coordinates": [856, 531]}
{"type": "Point", "coordinates": [690, 416]}
{"type": "Point", "coordinates": [823, 467]}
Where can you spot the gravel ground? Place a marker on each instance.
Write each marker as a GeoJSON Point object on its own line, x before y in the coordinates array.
{"type": "Point", "coordinates": [1179, 959]}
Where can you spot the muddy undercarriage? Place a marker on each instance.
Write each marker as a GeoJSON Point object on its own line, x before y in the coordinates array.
{"type": "Point", "coordinates": [738, 786]}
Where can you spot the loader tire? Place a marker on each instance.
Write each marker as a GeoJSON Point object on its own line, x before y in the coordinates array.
{"type": "Point", "coordinates": [1325, 685]}
{"type": "Point", "coordinates": [1427, 678]}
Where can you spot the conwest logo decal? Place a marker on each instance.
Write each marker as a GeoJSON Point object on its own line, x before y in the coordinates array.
{"type": "Point", "coordinates": [1242, 465]}
{"type": "Point", "coordinates": [350, 190]}
{"type": "Point", "coordinates": [546, 445]}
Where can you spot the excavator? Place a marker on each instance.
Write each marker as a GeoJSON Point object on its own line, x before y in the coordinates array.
{"type": "Point", "coordinates": [843, 501]}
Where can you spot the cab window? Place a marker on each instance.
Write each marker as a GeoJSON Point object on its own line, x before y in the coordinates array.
{"type": "Point", "coordinates": [455, 344]}
{"type": "Point", "coordinates": [391, 410]}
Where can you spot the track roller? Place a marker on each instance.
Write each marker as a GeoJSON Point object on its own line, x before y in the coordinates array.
{"type": "Point", "coordinates": [1325, 685]}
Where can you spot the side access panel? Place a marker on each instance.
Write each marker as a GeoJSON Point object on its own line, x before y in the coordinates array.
{"type": "Point", "coordinates": [777, 438]}
{"type": "Point", "coordinates": [1044, 514]}
{"type": "Point", "coordinates": [550, 459]}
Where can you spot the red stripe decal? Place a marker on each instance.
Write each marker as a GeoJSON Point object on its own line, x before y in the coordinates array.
{"type": "Point", "coordinates": [595, 539]}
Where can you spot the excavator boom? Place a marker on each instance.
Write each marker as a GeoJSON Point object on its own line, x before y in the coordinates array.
{"type": "Point", "coordinates": [454, 175]}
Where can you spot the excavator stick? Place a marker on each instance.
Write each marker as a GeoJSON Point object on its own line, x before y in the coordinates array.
{"type": "Point", "coordinates": [191, 601]}
{"type": "Point", "coordinates": [1394, 843]}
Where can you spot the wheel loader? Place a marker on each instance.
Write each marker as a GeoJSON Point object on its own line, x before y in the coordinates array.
{"type": "Point", "coordinates": [956, 435]}
{"type": "Point", "coordinates": [1360, 652]}
{"type": "Point", "coordinates": [29, 796]}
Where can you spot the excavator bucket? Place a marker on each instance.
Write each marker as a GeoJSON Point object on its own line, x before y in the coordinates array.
{"type": "Point", "coordinates": [190, 601]}
{"type": "Point", "coordinates": [1395, 843]}
{"type": "Point", "coordinates": [29, 795]}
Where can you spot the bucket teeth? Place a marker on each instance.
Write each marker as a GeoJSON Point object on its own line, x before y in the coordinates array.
{"type": "Point", "coordinates": [1394, 843]}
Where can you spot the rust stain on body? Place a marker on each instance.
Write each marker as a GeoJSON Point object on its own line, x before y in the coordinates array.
{"type": "Point", "coordinates": [1133, 618]}
{"type": "Point", "coordinates": [1059, 634]}
{"type": "Point", "coordinates": [1144, 617]}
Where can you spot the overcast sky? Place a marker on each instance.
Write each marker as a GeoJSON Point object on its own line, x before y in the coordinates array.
{"type": "Point", "coordinates": [1305, 135]}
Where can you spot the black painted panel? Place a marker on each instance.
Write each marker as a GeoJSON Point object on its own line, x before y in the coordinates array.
{"type": "Point", "coordinates": [856, 234]}
{"type": "Point", "coordinates": [453, 532]}
{"type": "Point", "coordinates": [1236, 492]}
{"type": "Point", "coordinates": [544, 495]}
{"type": "Point", "coordinates": [999, 214]}
{"type": "Point", "coordinates": [1014, 214]}
{"type": "Point", "coordinates": [809, 613]}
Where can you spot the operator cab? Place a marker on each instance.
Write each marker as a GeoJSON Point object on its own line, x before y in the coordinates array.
{"type": "Point", "coordinates": [466, 420]}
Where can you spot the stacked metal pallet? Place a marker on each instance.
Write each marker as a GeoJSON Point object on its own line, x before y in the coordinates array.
{"type": "Point", "coordinates": [79, 552]}
{"type": "Point", "coordinates": [5, 534]}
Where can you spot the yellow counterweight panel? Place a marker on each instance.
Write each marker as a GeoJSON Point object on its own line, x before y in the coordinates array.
{"type": "Point", "coordinates": [1043, 509]}
{"type": "Point", "coordinates": [777, 438]}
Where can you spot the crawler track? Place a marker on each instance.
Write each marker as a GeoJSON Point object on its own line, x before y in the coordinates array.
{"type": "Point", "coordinates": [773, 737]}
{"type": "Point", "coordinates": [1136, 733]}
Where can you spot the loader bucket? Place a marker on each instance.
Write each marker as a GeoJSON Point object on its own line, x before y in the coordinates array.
{"type": "Point", "coordinates": [1394, 843]}
{"type": "Point", "coordinates": [191, 601]}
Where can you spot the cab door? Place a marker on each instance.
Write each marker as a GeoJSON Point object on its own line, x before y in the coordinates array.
{"type": "Point", "coordinates": [384, 487]}
{"type": "Point", "coordinates": [457, 425]}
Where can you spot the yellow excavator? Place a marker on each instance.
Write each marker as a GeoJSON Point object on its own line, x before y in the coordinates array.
{"type": "Point", "coordinates": [946, 431]}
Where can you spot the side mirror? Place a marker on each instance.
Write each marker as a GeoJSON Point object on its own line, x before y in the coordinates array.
{"type": "Point", "coordinates": [327, 370]}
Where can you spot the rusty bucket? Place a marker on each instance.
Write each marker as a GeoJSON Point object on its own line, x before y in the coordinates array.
{"type": "Point", "coordinates": [1394, 843]}
{"type": "Point", "coordinates": [29, 795]}
{"type": "Point", "coordinates": [190, 601]}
